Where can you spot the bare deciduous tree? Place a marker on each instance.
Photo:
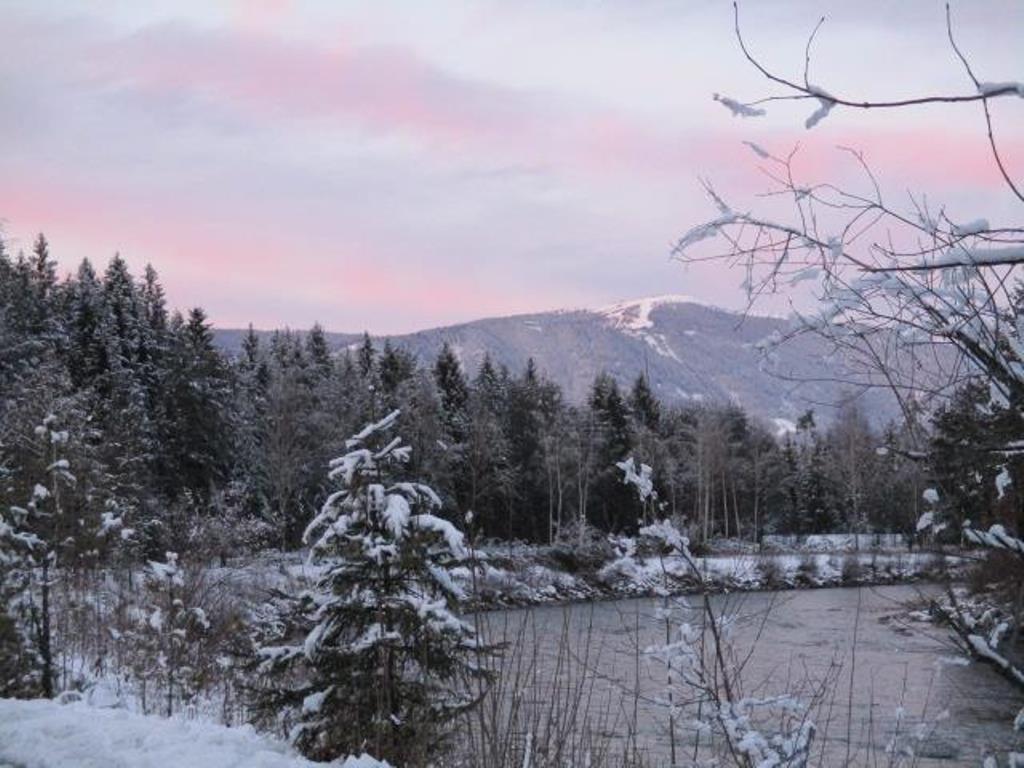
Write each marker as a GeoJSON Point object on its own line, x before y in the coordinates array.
{"type": "Point", "coordinates": [915, 301]}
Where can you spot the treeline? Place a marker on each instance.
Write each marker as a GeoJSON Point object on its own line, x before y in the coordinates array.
{"type": "Point", "coordinates": [185, 447]}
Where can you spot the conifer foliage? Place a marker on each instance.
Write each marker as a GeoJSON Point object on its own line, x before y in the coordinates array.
{"type": "Point", "coordinates": [387, 662]}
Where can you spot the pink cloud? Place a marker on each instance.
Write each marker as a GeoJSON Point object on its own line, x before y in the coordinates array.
{"type": "Point", "coordinates": [342, 287]}
{"type": "Point", "coordinates": [391, 90]}
{"type": "Point", "coordinates": [378, 87]}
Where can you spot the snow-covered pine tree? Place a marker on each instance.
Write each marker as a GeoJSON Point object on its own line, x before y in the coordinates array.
{"type": "Point", "coordinates": [396, 367]}
{"type": "Point", "coordinates": [194, 444]}
{"type": "Point", "coordinates": [386, 665]}
{"type": "Point", "coordinates": [454, 392]}
{"type": "Point", "coordinates": [318, 352]}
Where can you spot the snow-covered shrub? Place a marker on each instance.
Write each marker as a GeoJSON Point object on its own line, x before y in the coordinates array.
{"type": "Point", "coordinates": [768, 572]}
{"type": "Point", "coordinates": [579, 546]}
{"type": "Point", "coordinates": [385, 664]}
{"type": "Point", "coordinates": [807, 570]}
{"type": "Point", "coordinates": [851, 569]}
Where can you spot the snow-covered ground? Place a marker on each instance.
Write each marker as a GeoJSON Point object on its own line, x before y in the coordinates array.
{"type": "Point", "coordinates": [46, 734]}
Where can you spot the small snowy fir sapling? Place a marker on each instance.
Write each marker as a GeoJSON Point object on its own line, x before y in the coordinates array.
{"type": "Point", "coordinates": [384, 666]}
{"type": "Point", "coordinates": [166, 641]}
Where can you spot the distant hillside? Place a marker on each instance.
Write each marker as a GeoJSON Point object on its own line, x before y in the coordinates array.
{"type": "Point", "coordinates": [690, 352]}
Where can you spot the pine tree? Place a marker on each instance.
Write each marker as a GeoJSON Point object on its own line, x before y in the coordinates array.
{"type": "Point", "coordinates": [195, 440]}
{"type": "Point", "coordinates": [287, 447]}
{"type": "Point", "coordinates": [528, 503]}
{"type": "Point", "coordinates": [124, 407]}
{"type": "Point", "coordinates": [961, 457]}
{"type": "Point", "coordinates": [317, 351]}
{"type": "Point", "coordinates": [817, 493]}
{"type": "Point", "coordinates": [367, 356]}
{"type": "Point", "coordinates": [791, 520]}
{"type": "Point", "coordinates": [87, 355]}
{"type": "Point", "coordinates": [251, 378]}
{"type": "Point", "coordinates": [123, 321]}
{"type": "Point", "coordinates": [454, 391]}
{"type": "Point", "coordinates": [386, 663]}
{"type": "Point", "coordinates": [491, 388]}
{"type": "Point", "coordinates": [395, 368]}
{"type": "Point", "coordinates": [43, 281]}
{"type": "Point", "coordinates": [154, 305]}
{"type": "Point", "coordinates": [644, 405]}
{"type": "Point", "coordinates": [486, 453]}
{"type": "Point", "coordinates": [154, 340]}
{"type": "Point", "coordinates": [618, 507]}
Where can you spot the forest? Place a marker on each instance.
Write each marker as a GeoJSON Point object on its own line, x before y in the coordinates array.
{"type": "Point", "coordinates": [189, 449]}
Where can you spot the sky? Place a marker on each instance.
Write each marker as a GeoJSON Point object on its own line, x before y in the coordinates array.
{"type": "Point", "coordinates": [393, 166]}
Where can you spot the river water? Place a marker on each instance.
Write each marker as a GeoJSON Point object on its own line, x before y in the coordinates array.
{"type": "Point", "coordinates": [847, 649]}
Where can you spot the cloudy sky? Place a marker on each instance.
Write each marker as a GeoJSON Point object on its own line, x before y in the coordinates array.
{"type": "Point", "coordinates": [397, 165]}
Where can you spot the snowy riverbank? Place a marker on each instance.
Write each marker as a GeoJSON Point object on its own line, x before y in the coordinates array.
{"type": "Point", "coordinates": [532, 576]}
{"type": "Point", "coordinates": [514, 575]}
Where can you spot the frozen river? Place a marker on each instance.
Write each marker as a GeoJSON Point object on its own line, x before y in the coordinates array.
{"type": "Point", "coordinates": [845, 646]}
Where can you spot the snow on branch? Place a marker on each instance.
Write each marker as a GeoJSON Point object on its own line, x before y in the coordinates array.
{"type": "Point", "coordinates": [826, 102]}
{"type": "Point", "coordinates": [639, 477]}
{"type": "Point", "coordinates": [737, 108]}
{"type": "Point", "coordinates": [995, 537]}
{"type": "Point", "coordinates": [806, 90]}
{"type": "Point", "coordinates": [1008, 88]}
{"type": "Point", "coordinates": [983, 650]}
{"type": "Point", "coordinates": [371, 429]}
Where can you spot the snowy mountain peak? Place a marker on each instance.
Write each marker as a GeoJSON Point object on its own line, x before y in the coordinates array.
{"type": "Point", "coordinates": [635, 315]}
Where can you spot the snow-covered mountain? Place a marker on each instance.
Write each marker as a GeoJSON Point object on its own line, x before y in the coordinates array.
{"type": "Point", "coordinates": [689, 350]}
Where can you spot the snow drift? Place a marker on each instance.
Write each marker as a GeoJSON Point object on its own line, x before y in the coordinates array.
{"type": "Point", "coordinates": [46, 734]}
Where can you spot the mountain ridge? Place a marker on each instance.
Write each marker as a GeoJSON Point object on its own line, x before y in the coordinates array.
{"type": "Point", "coordinates": [690, 351]}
